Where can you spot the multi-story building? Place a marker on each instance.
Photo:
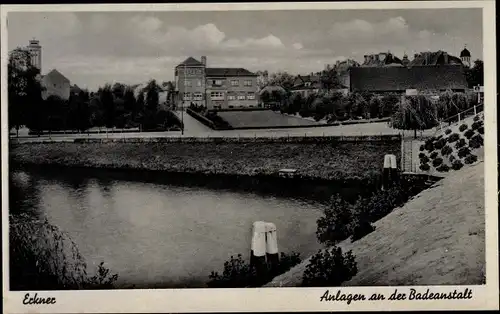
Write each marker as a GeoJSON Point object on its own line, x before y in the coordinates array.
{"type": "Point", "coordinates": [214, 88]}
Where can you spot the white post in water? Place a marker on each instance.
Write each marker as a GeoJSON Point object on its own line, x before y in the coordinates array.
{"type": "Point", "coordinates": [258, 246]}
{"type": "Point", "coordinates": [272, 246]}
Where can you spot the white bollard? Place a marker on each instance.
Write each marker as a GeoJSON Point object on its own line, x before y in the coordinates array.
{"type": "Point", "coordinates": [258, 245]}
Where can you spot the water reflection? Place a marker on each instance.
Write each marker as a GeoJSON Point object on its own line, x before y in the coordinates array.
{"type": "Point", "coordinates": [157, 235]}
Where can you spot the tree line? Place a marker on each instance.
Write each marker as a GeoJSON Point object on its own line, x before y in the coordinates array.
{"type": "Point", "coordinates": [111, 106]}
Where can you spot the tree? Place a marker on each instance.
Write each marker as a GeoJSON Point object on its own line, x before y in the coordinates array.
{"type": "Point", "coordinates": [118, 90]}
{"type": "Point", "coordinates": [415, 113]}
{"type": "Point", "coordinates": [79, 111]}
{"type": "Point", "coordinates": [24, 90]}
{"type": "Point", "coordinates": [282, 79]}
{"type": "Point", "coordinates": [333, 226]}
{"type": "Point", "coordinates": [108, 105]}
{"type": "Point", "coordinates": [262, 79]}
{"type": "Point", "coordinates": [265, 97]}
{"type": "Point", "coordinates": [152, 97]}
{"type": "Point", "coordinates": [475, 75]}
{"type": "Point", "coordinates": [329, 78]}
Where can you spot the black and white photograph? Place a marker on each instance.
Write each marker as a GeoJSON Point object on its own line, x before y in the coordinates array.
{"type": "Point", "coordinates": [158, 148]}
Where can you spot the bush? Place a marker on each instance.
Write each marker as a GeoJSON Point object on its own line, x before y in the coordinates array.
{"type": "Point", "coordinates": [440, 143]}
{"type": "Point", "coordinates": [453, 138]}
{"type": "Point", "coordinates": [424, 159]}
{"type": "Point", "coordinates": [470, 159]}
{"type": "Point", "coordinates": [443, 168]}
{"type": "Point", "coordinates": [476, 118]}
{"type": "Point", "coordinates": [463, 127]}
{"type": "Point", "coordinates": [481, 130]}
{"type": "Point", "coordinates": [464, 151]}
{"type": "Point", "coordinates": [469, 133]}
{"type": "Point", "coordinates": [333, 226]}
{"type": "Point", "coordinates": [434, 155]}
{"type": "Point", "coordinates": [448, 131]}
{"type": "Point", "coordinates": [422, 155]}
{"type": "Point", "coordinates": [329, 268]}
{"type": "Point", "coordinates": [425, 167]}
{"type": "Point", "coordinates": [460, 143]}
{"type": "Point", "coordinates": [422, 148]}
{"type": "Point", "coordinates": [237, 273]}
{"type": "Point", "coordinates": [476, 125]}
{"type": "Point", "coordinates": [446, 150]}
{"type": "Point", "coordinates": [452, 158]}
{"type": "Point", "coordinates": [429, 145]}
{"type": "Point", "coordinates": [42, 257]}
{"type": "Point", "coordinates": [476, 142]}
{"type": "Point", "coordinates": [457, 164]}
{"type": "Point", "coordinates": [438, 161]}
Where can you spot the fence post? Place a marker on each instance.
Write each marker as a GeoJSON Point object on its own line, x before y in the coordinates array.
{"type": "Point", "coordinates": [459, 117]}
{"type": "Point", "coordinates": [475, 110]}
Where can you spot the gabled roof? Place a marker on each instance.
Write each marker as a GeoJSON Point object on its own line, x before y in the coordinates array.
{"type": "Point", "coordinates": [434, 58]}
{"type": "Point", "coordinates": [56, 75]}
{"type": "Point", "coordinates": [190, 62]}
{"type": "Point", "coordinates": [402, 78]}
{"type": "Point", "coordinates": [226, 72]}
{"type": "Point", "coordinates": [307, 82]}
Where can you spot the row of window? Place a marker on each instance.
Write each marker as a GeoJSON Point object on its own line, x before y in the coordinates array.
{"type": "Point", "coordinates": [219, 83]}
{"type": "Point", "coordinates": [218, 96]}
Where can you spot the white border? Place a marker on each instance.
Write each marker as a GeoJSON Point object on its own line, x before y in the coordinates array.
{"type": "Point", "coordinates": [268, 299]}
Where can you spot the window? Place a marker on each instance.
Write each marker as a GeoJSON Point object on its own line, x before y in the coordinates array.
{"type": "Point", "coordinates": [241, 97]}
{"type": "Point", "coordinates": [251, 96]}
{"type": "Point", "coordinates": [187, 83]}
{"type": "Point", "coordinates": [234, 83]}
{"type": "Point", "coordinates": [217, 95]}
{"type": "Point", "coordinates": [198, 96]}
{"type": "Point", "coordinates": [248, 83]}
{"type": "Point", "coordinates": [216, 82]}
{"type": "Point", "coordinates": [308, 84]}
{"type": "Point", "coordinates": [231, 97]}
{"type": "Point", "coordinates": [187, 96]}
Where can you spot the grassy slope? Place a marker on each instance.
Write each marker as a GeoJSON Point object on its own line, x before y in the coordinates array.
{"type": "Point", "coordinates": [323, 160]}
{"type": "Point", "coordinates": [435, 239]}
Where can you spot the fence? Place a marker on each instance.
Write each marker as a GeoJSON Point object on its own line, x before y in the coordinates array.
{"type": "Point", "coordinates": [460, 116]}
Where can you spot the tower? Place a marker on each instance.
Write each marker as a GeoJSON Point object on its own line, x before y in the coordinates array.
{"type": "Point", "coordinates": [36, 53]}
{"type": "Point", "coordinates": [465, 57]}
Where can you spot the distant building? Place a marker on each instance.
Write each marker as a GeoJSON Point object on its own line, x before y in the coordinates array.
{"type": "Point", "coordinates": [306, 84]}
{"type": "Point", "coordinates": [214, 88]}
{"type": "Point", "coordinates": [434, 59]}
{"type": "Point", "coordinates": [381, 59]}
{"type": "Point", "coordinates": [465, 57]}
{"type": "Point", "coordinates": [54, 82]}
{"type": "Point", "coordinates": [420, 79]}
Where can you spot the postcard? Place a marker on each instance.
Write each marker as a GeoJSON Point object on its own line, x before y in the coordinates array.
{"type": "Point", "coordinates": [198, 157]}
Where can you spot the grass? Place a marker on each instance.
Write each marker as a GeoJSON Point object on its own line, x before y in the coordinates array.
{"type": "Point", "coordinates": [361, 160]}
{"type": "Point", "coordinates": [435, 239]}
{"type": "Point", "coordinates": [267, 118]}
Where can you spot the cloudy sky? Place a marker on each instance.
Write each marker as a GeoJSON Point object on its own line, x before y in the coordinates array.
{"type": "Point", "coordinates": [92, 48]}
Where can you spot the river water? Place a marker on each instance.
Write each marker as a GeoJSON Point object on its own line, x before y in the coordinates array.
{"type": "Point", "coordinates": [159, 235]}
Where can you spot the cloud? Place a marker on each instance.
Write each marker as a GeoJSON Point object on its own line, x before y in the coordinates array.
{"type": "Point", "coordinates": [297, 46]}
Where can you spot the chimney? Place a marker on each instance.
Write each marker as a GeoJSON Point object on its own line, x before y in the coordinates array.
{"type": "Point", "coordinates": [445, 55]}
{"type": "Point", "coordinates": [376, 58]}
{"type": "Point", "coordinates": [204, 60]}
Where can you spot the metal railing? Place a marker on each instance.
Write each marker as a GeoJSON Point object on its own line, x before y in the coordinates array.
{"type": "Point", "coordinates": [460, 116]}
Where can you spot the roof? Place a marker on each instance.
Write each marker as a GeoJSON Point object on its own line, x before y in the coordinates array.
{"type": "Point", "coordinates": [75, 89]}
{"type": "Point", "coordinates": [381, 59]}
{"type": "Point", "coordinates": [433, 58]}
{"type": "Point", "coordinates": [190, 62]}
{"type": "Point", "coordinates": [465, 53]}
{"type": "Point", "coordinates": [54, 74]}
{"type": "Point", "coordinates": [403, 78]}
{"type": "Point", "coordinates": [271, 88]}
{"type": "Point", "coordinates": [301, 82]}
{"type": "Point", "coordinates": [225, 72]}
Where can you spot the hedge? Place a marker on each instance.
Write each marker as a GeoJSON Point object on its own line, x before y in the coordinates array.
{"type": "Point", "coordinates": [463, 127]}
{"type": "Point", "coordinates": [464, 151]}
{"type": "Point", "coordinates": [438, 161]}
{"type": "Point", "coordinates": [453, 137]}
{"type": "Point", "coordinates": [443, 168]}
{"type": "Point", "coordinates": [470, 159]}
{"type": "Point", "coordinates": [448, 131]}
{"type": "Point", "coordinates": [446, 150]}
{"type": "Point", "coordinates": [440, 143]}
{"type": "Point", "coordinates": [476, 142]}
{"type": "Point", "coordinates": [469, 133]}
{"type": "Point", "coordinates": [457, 164]}
{"type": "Point", "coordinates": [460, 143]}
{"type": "Point", "coordinates": [425, 167]}
{"type": "Point", "coordinates": [476, 125]}
{"type": "Point", "coordinates": [452, 158]}
{"type": "Point", "coordinates": [434, 155]}
{"type": "Point", "coordinates": [481, 130]}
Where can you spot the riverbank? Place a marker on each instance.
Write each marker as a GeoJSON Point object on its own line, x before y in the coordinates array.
{"type": "Point", "coordinates": [437, 238]}
{"type": "Point", "coordinates": [321, 160]}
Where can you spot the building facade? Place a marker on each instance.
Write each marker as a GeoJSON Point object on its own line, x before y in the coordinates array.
{"type": "Point", "coordinates": [306, 85]}
{"type": "Point", "coordinates": [214, 88]}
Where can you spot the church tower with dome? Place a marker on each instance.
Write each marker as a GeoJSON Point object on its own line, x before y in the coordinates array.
{"type": "Point", "coordinates": [465, 57]}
